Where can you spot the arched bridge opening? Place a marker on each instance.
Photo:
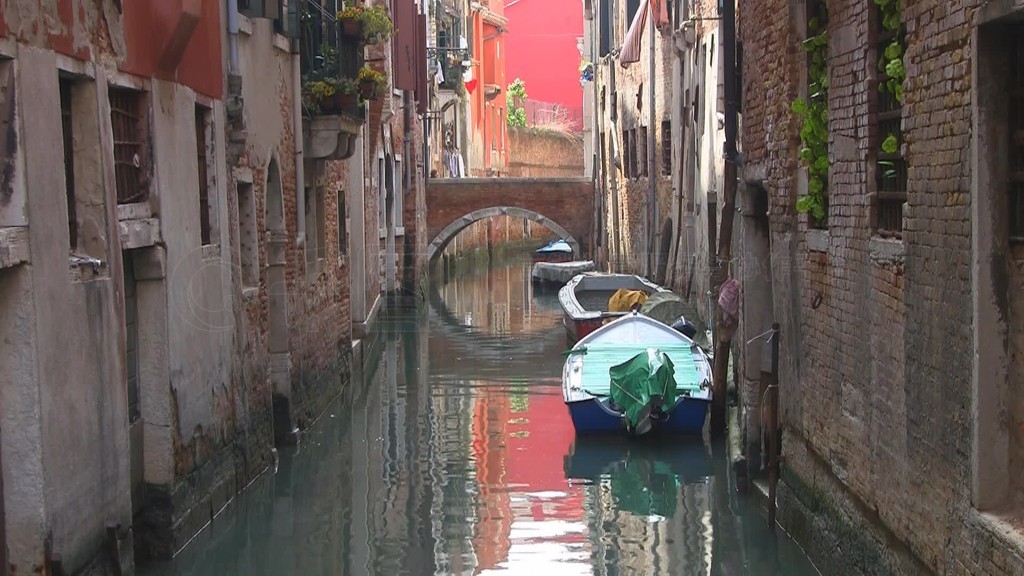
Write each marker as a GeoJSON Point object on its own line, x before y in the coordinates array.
{"type": "Point", "coordinates": [438, 244]}
{"type": "Point", "coordinates": [563, 205]}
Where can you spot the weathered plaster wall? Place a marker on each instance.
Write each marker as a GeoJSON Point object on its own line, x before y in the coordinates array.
{"type": "Point", "coordinates": [72, 323]}
{"type": "Point", "coordinates": [628, 196]}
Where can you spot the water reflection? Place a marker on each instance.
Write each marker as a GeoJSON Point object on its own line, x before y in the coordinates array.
{"type": "Point", "coordinates": [455, 455]}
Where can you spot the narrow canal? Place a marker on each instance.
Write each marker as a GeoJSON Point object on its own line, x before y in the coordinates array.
{"type": "Point", "coordinates": [455, 455]}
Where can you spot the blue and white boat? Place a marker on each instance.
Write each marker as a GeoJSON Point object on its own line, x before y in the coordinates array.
{"type": "Point", "coordinates": [554, 251]}
{"type": "Point", "coordinates": [637, 375]}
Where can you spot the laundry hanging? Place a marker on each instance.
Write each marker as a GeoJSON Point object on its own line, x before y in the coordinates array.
{"type": "Point", "coordinates": [630, 52]}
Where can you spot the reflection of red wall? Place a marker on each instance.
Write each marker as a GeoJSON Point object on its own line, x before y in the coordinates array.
{"type": "Point", "coordinates": [148, 26]}
{"type": "Point", "coordinates": [490, 413]}
{"type": "Point", "coordinates": [542, 49]}
{"type": "Point", "coordinates": [536, 456]}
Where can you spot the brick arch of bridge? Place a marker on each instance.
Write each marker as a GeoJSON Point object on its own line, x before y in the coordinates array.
{"type": "Point", "coordinates": [563, 205]}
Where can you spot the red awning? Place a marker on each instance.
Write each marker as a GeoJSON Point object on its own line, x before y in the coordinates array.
{"type": "Point", "coordinates": [630, 52]}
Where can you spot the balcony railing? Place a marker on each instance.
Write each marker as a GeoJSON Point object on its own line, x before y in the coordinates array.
{"type": "Point", "coordinates": [327, 54]}
{"type": "Point", "coordinates": [448, 52]}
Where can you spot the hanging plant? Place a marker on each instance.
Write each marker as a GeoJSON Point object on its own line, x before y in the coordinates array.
{"type": "Point", "coordinates": [813, 112]}
{"type": "Point", "coordinates": [371, 83]}
{"type": "Point", "coordinates": [377, 26]}
{"type": "Point", "coordinates": [351, 19]}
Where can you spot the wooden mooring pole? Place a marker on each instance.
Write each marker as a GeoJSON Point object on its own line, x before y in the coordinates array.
{"type": "Point", "coordinates": [773, 430]}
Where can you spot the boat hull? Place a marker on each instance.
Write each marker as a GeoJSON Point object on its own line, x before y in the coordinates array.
{"type": "Point", "coordinates": [586, 384]}
{"type": "Point", "coordinates": [593, 417]}
{"type": "Point", "coordinates": [580, 317]}
{"type": "Point", "coordinates": [553, 257]}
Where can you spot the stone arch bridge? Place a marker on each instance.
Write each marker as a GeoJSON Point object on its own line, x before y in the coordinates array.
{"type": "Point", "coordinates": [563, 205]}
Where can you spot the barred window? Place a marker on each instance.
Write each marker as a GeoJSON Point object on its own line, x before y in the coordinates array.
{"type": "Point", "coordinates": [666, 148]}
{"type": "Point", "coordinates": [891, 167]}
{"type": "Point", "coordinates": [130, 162]}
{"type": "Point", "coordinates": [205, 229]}
{"type": "Point", "coordinates": [66, 85]}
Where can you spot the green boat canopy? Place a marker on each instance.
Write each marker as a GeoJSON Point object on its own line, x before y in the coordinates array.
{"type": "Point", "coordinates": [646, 376]}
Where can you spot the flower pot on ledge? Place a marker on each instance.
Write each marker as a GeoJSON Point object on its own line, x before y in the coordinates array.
{"type": "Point", "coordinates": [338, 103]}
{"type": "Point", "coordinates": [352, 28]}
{"type": "Point", "coordinates": [368, 90]}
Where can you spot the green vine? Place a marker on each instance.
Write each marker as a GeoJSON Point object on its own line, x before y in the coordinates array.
{"type": "Point", "coordinates": [891, 61]}
{"type": "Point", "coordinates": [891, 64]}
{"type": "Point", "coordinates": [813, 111]}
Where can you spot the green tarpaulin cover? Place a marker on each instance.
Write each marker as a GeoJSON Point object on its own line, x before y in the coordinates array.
{"type": "Point", "coordinates": [637, 380]}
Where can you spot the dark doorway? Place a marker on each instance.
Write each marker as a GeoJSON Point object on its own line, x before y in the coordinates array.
{"type": "Point", "coordinates": [663, 249]}
{"type": "Point", "coordinates": [131, 360]}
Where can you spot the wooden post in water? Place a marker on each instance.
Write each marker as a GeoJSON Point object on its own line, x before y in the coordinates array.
{"type": "Point", "coordinates": [773, 430]}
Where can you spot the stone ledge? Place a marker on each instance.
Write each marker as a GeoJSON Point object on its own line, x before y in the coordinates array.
{"type": "Point", "coordinates": [817, 240]}
{"type": "Point", "coordinates": [139, 233]}
{"type": "Point", "coordinates": [885, 251]}
{"type": "Point", "coordinates": [1000, 528]}
{"type": "Point", "coordinates": [211, 251]}
{"type": "Point", "coordinates": [331, 137]}
{"type": "Point", "coordinates": [136, 211]}
{"type": "Point", "coordinates": [14, 246]}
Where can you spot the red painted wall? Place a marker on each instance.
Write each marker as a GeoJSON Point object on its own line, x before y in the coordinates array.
{"type": "Point", "coordinates": [489, 50]}
{"type": "Point", "coordinates": [541, 44]}
{"type": "Point", "coordinates": [148, 26]}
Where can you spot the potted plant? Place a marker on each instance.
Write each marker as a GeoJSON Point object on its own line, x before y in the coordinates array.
{"type": "Point", "coordinates": [332, 95]}
{"type": "Point", "coordinates": [351, 20]}
{"type": "Point", "coordinates": [371, 83]}
{"type": "Point", "coordinates": [376, 25]}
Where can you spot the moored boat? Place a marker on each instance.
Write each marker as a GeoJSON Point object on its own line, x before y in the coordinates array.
{"type": "Point", "coordinates": [636, 375]}
{"type": "Point", "coordinates": [556, 274]}
{"type": "Point", "coordinates": [554, 251]}
{"type": "Point", "coordinates": [585, 300]}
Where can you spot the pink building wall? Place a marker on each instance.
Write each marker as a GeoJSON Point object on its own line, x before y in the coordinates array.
{"type": "Point", "coordinates": [541, 44]}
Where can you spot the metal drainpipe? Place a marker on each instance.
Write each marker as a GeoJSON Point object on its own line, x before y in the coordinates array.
{"type": "Point", "coordinates": [300, 181]}
{"type": "Point", "coordinates": [233, 36]}
{"type": "Point", "coordinates": [652, 213]}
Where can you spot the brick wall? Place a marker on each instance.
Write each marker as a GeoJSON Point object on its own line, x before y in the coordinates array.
{"type": "Point", "coordinates": [567, 202]}
{"type": "Point", "coordinates": [540, 153]}
{"type": "Point", "coordinates": [876, 367]}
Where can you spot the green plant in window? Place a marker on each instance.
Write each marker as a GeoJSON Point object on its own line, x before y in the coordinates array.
{"type": "Point", "coordinates": [891, 65]}
{"type": "Point", "coordinates": [813, 113]}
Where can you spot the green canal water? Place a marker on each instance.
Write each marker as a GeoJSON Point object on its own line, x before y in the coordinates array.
{"type": "Point", "coordinates": [454, 454]}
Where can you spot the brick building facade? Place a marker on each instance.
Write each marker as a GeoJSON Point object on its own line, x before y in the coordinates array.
{"type": "Point", "coordinates": [898, 328]}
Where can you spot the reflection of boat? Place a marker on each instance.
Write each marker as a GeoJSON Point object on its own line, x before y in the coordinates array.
{"type": "Point", "coordinates": [637, 374]}
{"type": "Point", "coordinates": [554, 251]}
{"type": "Point", "coordinates": [592, 457]}
{"type": "Point", "coordinates": [585, 299]}
{"type": "Point", "coordinates": [644, 478]}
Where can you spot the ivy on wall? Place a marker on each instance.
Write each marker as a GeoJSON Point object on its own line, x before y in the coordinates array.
{"type": "Point", "coordinates": [813, 112]}
{"type": "Point", "coordinates": [892, 57]}
{"type": "Point", "coordinates": [891, 64]}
